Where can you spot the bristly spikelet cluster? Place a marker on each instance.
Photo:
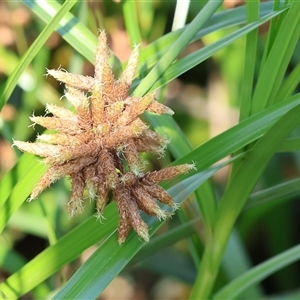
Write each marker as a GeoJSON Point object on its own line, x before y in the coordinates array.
{"type": "Point", "coordinates": [99, 145]}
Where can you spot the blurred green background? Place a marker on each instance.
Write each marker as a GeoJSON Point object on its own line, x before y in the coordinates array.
{"type": "Point", "coordinates": [205, 101]}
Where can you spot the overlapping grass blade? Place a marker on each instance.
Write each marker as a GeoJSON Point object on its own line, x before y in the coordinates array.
{"type": "Point", "coordinates": [205, 156]}
{"type": "Point", "coordinates": [83, 236]}
{"type": "Point", "coordinates": [166, 239]}
{"type": "Point", "coordinates": [245, 97]}
{"type": "Point", "coordinates": [211, 155]}
{"type": "Point", "coordinates": [110, 258]}
{"type": "Point", "coordinates": [235, 196]}
{"type": "Point", "coordinates": [84, 41]}
{"type": "Point", "coordinates": [183, 40]}
{"type": "Point", "coordinates": [232, 17]}
{"type": "Point", "coordinates": [55, 257]}
{"type": "Point", "coordinates": [269, 81]}
{"type": "Point", "coordinates": [195, 58]}
{"type": "Point", "coordinates": [240, 135]}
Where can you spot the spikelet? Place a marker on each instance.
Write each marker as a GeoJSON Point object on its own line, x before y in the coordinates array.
{"type": "Point", "coordinates": [98, 145]}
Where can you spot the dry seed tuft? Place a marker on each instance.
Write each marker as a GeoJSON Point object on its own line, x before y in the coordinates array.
{"type": "Point", "coordinates": [93, 145]}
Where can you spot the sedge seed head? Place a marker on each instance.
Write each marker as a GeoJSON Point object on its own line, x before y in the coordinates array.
{"type": "Point", "coordinates": [98, 146]}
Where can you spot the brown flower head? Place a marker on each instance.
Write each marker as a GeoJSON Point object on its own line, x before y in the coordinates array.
{"type": "Point", "coordinates": [99, 145]}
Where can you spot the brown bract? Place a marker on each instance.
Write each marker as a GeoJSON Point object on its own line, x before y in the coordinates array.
{"type": "Point", "coordinates": [99, 145]}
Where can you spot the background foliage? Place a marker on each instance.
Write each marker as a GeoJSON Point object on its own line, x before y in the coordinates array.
{"type": "Point", "coordinates": [232, 77]}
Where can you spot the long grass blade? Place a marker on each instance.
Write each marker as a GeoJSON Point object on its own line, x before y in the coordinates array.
{"type": "Point", "coordinates": [32, 51]}
{"type": "Point", "coordinates": [258, 273]}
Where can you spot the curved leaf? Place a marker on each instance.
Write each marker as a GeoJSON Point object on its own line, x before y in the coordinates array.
{"type": "Point", "coordinates": [258, 273]}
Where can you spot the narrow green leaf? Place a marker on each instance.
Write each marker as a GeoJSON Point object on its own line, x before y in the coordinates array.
{"type": "Point", "coordinates": [250, 58]}
{"type": "Point", "coordinates": [294, 40]}
{"type": "Point", "coordinates": [17, 185]}
{"type": "Point", "coordinates": [272, 32]}
{"type": "Point", "coordinates": [70, 28]}
{"type": "Point", "coordinates": [131, 21]}
{"type": "Point", "coordinates": [259, 273]}
{"type": "Point", "coordinates": [10, 179]}
{"type": "Point", "coordinates": [289, 84]}
{"type": "Point", "coordinates": [278, 192]}
{"type": "Point", "coordinates": [32, 51]}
